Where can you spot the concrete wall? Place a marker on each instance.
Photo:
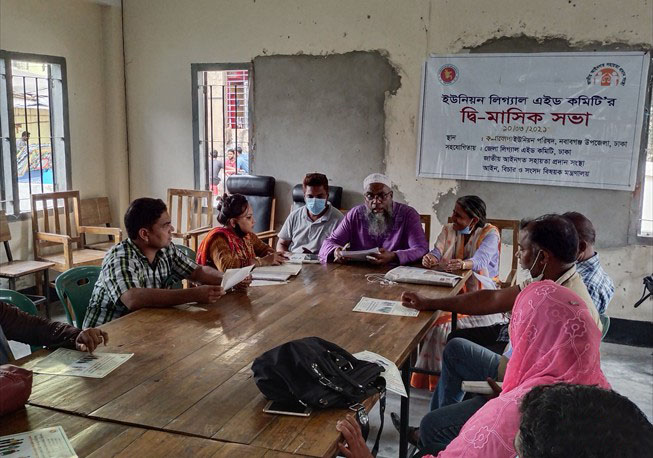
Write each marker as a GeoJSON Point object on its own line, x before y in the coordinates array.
{"type": "Point", "coordinates": [89, 36]}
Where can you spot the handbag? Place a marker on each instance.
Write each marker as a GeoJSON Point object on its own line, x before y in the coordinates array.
{"type": "Point", "coordinates": [320, 374]}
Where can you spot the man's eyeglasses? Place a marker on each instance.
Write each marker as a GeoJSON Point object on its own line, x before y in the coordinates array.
{"type": "Point", "coordinates": [370, 197]}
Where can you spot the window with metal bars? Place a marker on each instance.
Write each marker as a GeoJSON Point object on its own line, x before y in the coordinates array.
{"type": "Point", "coordinates": [33, 129]}
{"type": "Point", "coordinates": [221, 123]}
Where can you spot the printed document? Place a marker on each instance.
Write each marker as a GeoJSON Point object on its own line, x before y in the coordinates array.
{"type": "Point", "coordinates": [276, 273]}
{"type": "Point", "coordinates": [384, 307]}
{"type": "Point", "coordinates": [302, 258]}
{"type": "Point", "coordinates": [360, 255]}
{"type": "Point", "coordinates": [232, 277]}
{"type": "Point", "coordinates": [405, 274]}
{"type": "Point", "coordinates": [41, 443]}
{"type": "Point", "coordinates": [390, 372]}
{"type": "Point", "coordinates": [80, 364]}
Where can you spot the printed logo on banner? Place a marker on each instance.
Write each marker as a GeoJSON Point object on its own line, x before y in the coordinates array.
{"type": "Point", "coordinates": [448, 74]}
{"type": "Point", "coordinates": [607, 74]}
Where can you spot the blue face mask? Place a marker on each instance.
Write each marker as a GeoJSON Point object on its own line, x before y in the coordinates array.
{"type": "Point", "coordinates": [465, 231]}
{"type": "Point", "coordinates": [315, 205]}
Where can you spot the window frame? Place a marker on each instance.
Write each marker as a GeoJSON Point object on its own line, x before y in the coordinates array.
{"type": "Point", "coordinates": [195, 70]}
{"type": "Point", "coordinates": [637, 202]}
{"type": "Point", "coordinates": [8, 57]}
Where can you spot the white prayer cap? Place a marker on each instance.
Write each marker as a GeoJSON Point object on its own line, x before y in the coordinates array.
{"type": "Point", "coordinates": [376, 178]}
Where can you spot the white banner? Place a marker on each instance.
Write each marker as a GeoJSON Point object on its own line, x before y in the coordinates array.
{"type": "Point", "coordinates": [563, 119]}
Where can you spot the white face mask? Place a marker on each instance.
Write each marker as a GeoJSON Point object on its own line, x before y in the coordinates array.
{"type": "Point", "coordinates": [541, 275]}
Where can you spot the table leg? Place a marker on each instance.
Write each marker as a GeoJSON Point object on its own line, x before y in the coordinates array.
{"type": "Point", "coordinates": [46, 287]}
{"type": "Point", "coordinates": [405, 404]}
{"type": "Point", "coordinates": [12, 283]}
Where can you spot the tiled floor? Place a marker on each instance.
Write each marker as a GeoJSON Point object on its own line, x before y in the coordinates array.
{"type": "Point", "coordinates": [628, 369]}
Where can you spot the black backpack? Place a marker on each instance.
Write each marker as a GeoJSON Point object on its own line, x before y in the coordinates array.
{"type": "Point", "coordinates": [319, 374]}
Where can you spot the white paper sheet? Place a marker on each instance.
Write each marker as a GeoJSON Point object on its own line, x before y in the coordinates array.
{"type": "Point", "coordinates": [391, 372]}
{"type": "Point", "coordinates": [267, 283]}
{"type": "Point", "coordinates": [302, 258]}
{"type": "Point", "coordinates": [190, 308]}
{"type": "Point", "coordinates": [292, 269]}
{"type": "Point", "coordinates": [417, 275]}
{"type": "Point", "coordinates": [232, 277]}
{"type": "Point", "coordinates": [80, 364]}
{"type": "Point", "coordinates": [360, 255]}
{"type": "Point", "coordinates": [40, 443]}
{"type": "Point", "coordinates": [480, 387]}
{"type": "Point", "coordinates": [384, 307]}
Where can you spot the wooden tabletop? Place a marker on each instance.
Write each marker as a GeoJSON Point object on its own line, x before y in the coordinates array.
{"type": "Point", "coordinates": [95, 438]}
{"type": "Point", "coordinates": [190, 372]}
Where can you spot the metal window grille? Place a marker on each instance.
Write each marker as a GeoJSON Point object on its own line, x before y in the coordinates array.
{"type": "Point", "coordinates": [33, 129]}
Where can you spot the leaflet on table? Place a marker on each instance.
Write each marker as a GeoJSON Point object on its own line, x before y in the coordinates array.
{"type": "Point", "coordinates": [232, 277]}
{"type": "Point", "coordinates": [405, 274]}
{"type": "Point", "coordinates": [384, 307]}
{"type": "Point", "coordinates": [41, 443]}
{"type": "Point", "coordinates": [80, 364]}
{"type": "Point", "coordinates": [390, 373]}
{"type": "Point", "coordinates": [302, 258]}
{"type": "Point", "coordinates": [480, 387]}
{"type": "Point", "coordinates": [360, 255]}
{"type": "Point", "coordinates": [267, 283]}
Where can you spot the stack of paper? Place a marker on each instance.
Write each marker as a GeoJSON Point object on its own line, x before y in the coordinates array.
{"type": "Point", "coordinates": [383, 307]}
{"type": "Point", "coordinates": [40, 443]}
{"type": "Point", "coordinates": [302, 258]}
{"type": "Point", "coordinates": [360, 255]}
{"type": "Point", "coordinates": [405, 274]}
{"type": "Point", "coordinates": [276, 273]}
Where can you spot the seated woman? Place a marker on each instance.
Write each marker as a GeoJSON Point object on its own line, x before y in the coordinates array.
{"type": "Point", "coordinates": [554, 340]}
{"type": "Point", "coordinates": [468, 242]}
{"type": "Point", "coordinates": [234, 245]}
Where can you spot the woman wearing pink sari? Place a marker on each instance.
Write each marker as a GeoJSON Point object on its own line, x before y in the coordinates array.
{"type": "Point", "coordinates": [554, 339]}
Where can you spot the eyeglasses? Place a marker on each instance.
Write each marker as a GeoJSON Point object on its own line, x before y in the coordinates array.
{"type": "Point", "coordinates": [370, 197]}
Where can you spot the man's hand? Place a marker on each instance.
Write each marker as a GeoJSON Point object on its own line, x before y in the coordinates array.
{"type": "Point", "coordinates": [383, 257]}
{"type": "Point", "coordinates": [412, 300]}
{"type": "Point", "coordinates": [207, 294]}
{"type": "Point", "coordinates": [89, 339]}
{"type": "Point", "coordinates": [338, 257]}
{"type": "Point", "coordinates": [454, 264]}
{"type": "Point", "coordinates": [495, 387]}
{"type": "Point", "coordinates": [429, 261]}
{"type": "Point", "coordinates": [274, 259]}
{"type": "Point", "coordinates": [243, 285]}
{"type": "Point", "coordinates": [354, 445]}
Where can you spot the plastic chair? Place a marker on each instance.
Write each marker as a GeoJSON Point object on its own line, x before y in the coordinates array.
{"type": "Point", "coordinates": [23, 303]}
{"type": "Point", "coordinates": [189, 253]}
{"type": "Point", "coordinates": [605, 321]}
{"type": "Point", "coordinates": [74, 288]}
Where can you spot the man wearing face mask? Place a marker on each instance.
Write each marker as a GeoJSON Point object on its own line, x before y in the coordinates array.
{"type": "Point", "coordinates": [307, 227]}
{"type": "Point", "coordinates": [394, 228]}
{"type": "Point", "coordinates": [548, 247]}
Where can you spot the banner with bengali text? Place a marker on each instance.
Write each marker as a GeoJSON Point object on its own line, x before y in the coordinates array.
{"type": "Point", "coordinates": [562, 119]}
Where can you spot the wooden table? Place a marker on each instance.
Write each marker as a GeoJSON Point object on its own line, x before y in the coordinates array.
{"type": "Point", "coordinates": [95, 438]}
{"type": "Point", "coordinates": [191, 369]}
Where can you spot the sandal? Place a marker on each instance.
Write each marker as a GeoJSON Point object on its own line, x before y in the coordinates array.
{"type": "Point", "coordinates": [413, 432]}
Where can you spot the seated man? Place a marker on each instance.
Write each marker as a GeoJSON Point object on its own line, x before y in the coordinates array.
{"type": "Point", "coordinates": [16, 325]}
{"type": "Point", "coordinates": [136, 272]}
{"type": "Point", "coordinates": [598, 284]}
{"type": "Point", "coordinates": [548, 247]}
{"type": "Point", "coordinates": [393, 228]}
{"type": "Point", "coordinates": [307, 227]}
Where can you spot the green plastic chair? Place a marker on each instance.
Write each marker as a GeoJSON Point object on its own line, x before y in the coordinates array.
{"type": "Point", "coordinates": [74, 288]}
{"type": "Point", "coordinates": [23, 303]}
{"type": "Point", "coordinates": [605, 321]}
{"type": "Point", "coordinates": [189, 253]}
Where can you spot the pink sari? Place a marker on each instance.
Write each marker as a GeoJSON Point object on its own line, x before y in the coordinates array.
{"type": "Point", "coordinates": [554, 339]}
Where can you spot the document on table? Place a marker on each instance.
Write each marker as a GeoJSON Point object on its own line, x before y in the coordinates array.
{"type": "Point", "coordinates": [80, 364]}
{"type": "Point", "coordinates": [406, 274]}
{"type": "Point", "coordinates": [360, 255]}
{"type": "Point", "coordinates": [189, 308]}
{"type": "Point", "coordinates": [41, 443]}
{"type": "Point", "coordinates": [276, 273]}
{"type": "Point", "coordinates": [384, 307]}
{"type": "Point", "coordinates": [480, 387]}
{"type": "Point", "coordinates": [302, 258]}
{"type": "Point", "coordinates": [232, 277]}
{"type": "Point", "coordinates": [390, 372]}
{"type": "Point", "coordinates": [267, 283]}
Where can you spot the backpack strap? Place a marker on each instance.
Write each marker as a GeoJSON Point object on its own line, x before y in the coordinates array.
{"type": "Point", "coordinates": [363, 419]}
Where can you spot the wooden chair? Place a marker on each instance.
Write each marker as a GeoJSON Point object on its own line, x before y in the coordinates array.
{"type": "Point", "coordinates": [197, 222]}
{"type": "Point", "coordinates": [97, 212]}
{"type": "Point", "coordinates": [71, 237]}
{"type": "Point", "coordinates": [426, 225]}
{"type": "Point", "coordinates": [11, 270]}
